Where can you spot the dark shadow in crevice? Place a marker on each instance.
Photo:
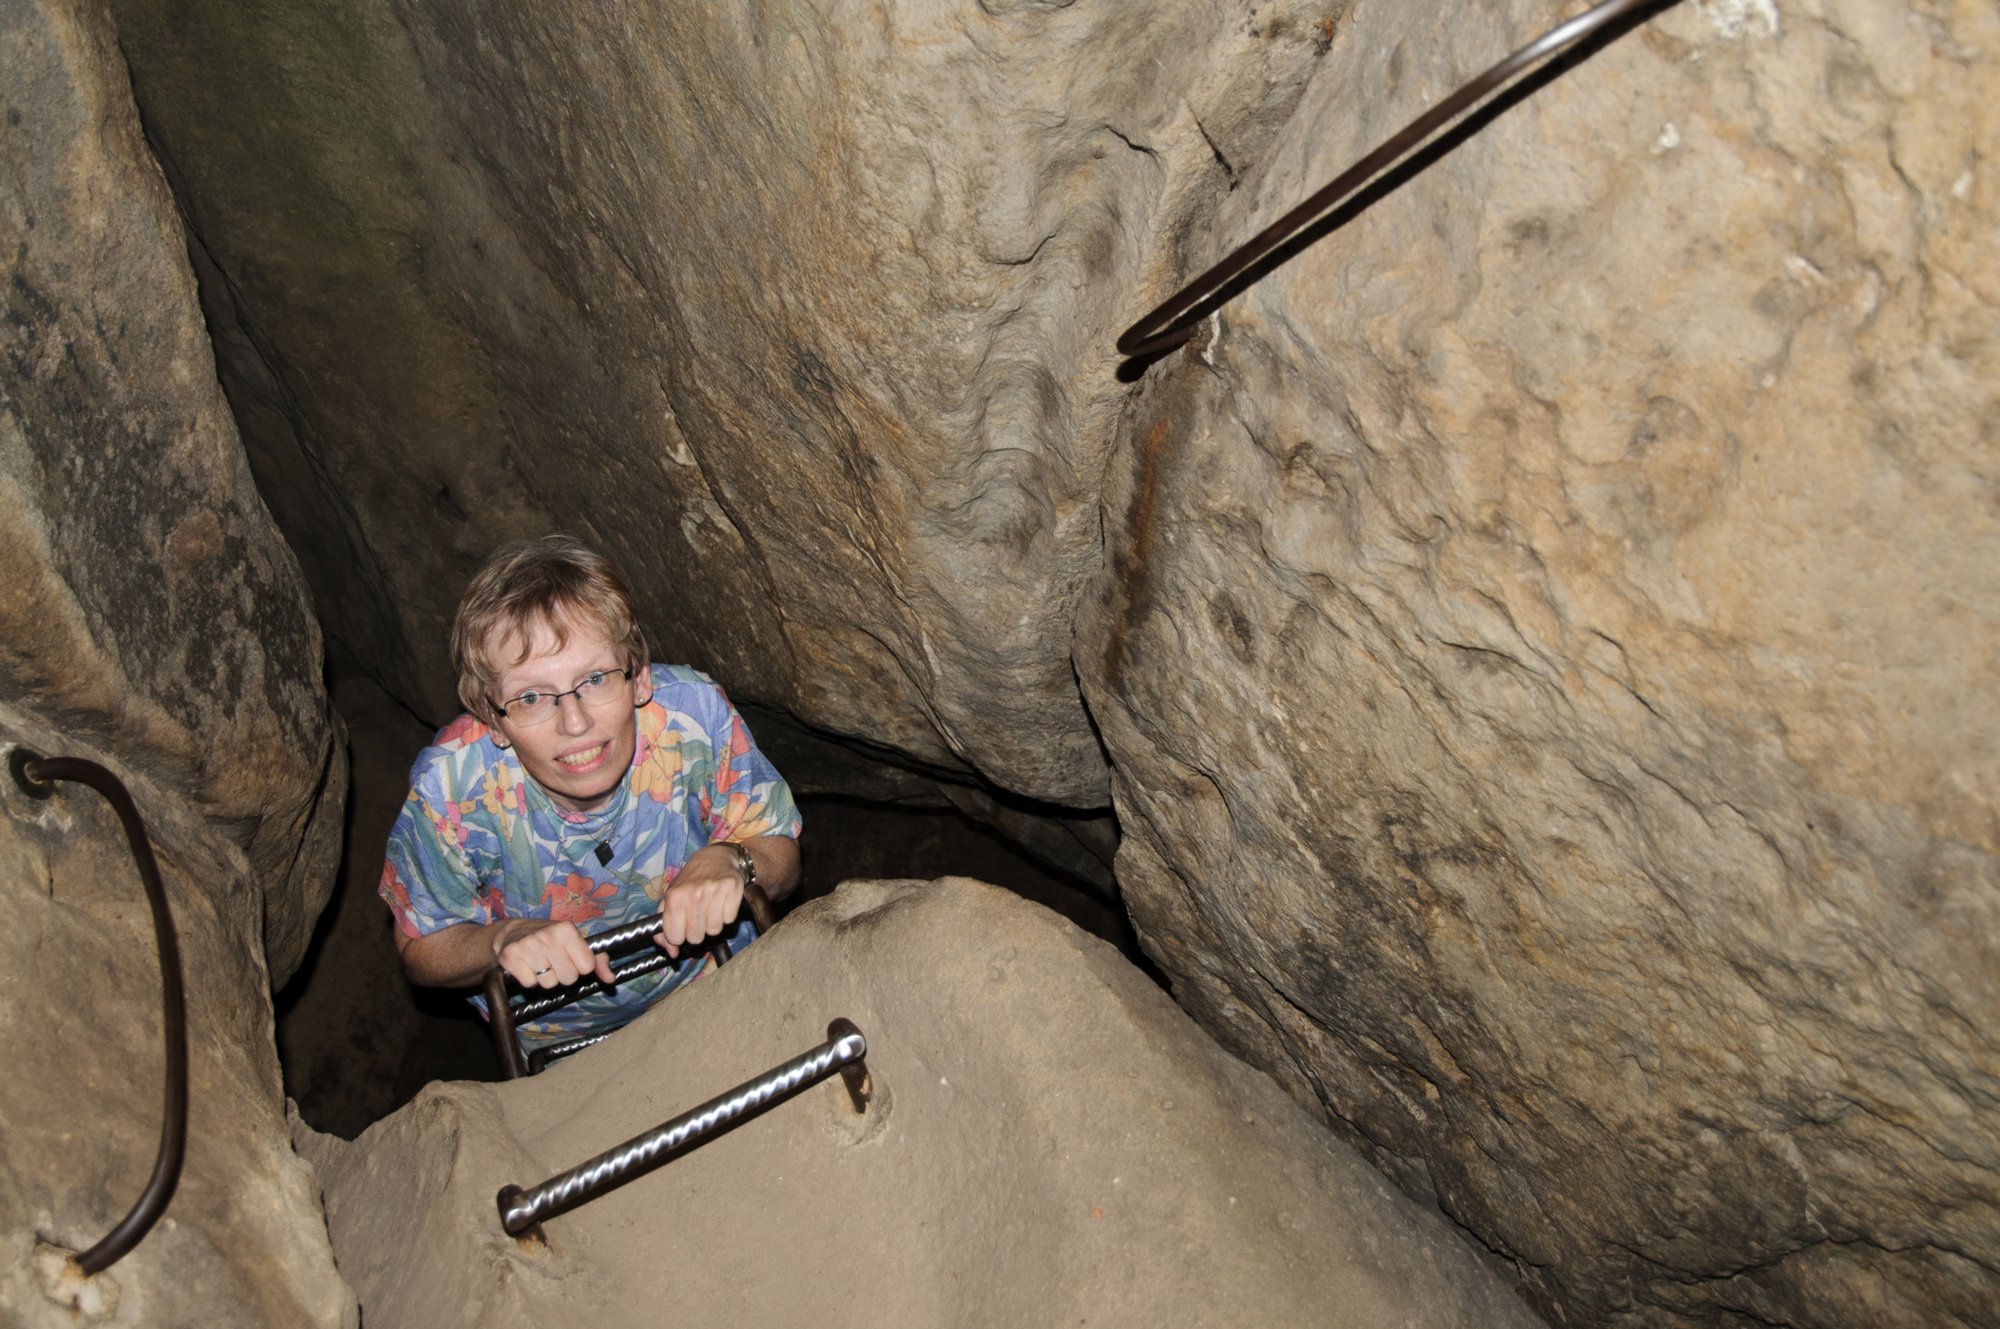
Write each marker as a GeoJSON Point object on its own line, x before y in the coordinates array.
{"type": "Point", "coordinates": [851, 839]}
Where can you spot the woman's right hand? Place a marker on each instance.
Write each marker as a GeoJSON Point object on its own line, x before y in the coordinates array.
{"type": "Point", "coordinates": [543, 953]}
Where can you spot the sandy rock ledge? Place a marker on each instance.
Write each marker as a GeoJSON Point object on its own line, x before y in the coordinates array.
{"type": "Point", "coordinates": [1052, 1142]}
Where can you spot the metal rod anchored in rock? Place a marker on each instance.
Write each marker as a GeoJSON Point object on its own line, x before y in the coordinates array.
{"type": "Point", "coordinates": [35, 776]}
{"type": "Point", "coordinates": [1176, 318]}
{"type": "Point", "coordinates": [521, 1210]}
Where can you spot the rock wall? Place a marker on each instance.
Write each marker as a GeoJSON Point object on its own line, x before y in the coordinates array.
{"type": "Point", "coordinates": [1583, 570]}
{"type": "Point", "coordinates": [1540, 644]}
{"type": "Point", "coordinates": [151, 619]}
{"type": "Point", "coordinates": [812, 382]}
{"type": "Point", "coordinates": [152, 609]}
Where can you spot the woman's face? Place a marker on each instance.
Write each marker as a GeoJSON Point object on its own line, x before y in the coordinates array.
{"type": "Point", "coordinates": [578, 756]}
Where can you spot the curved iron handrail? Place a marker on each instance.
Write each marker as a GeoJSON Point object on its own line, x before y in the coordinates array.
{"type": "Point", "coordinates": [34, 774]}
{"type": "Point", "coordinates": [1174, 320]}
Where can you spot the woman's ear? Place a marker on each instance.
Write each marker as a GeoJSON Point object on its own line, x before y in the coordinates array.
{"type": "Point", "coordinates": [642, 683]}
{"type": "Point", "coordinates": [492, 723]}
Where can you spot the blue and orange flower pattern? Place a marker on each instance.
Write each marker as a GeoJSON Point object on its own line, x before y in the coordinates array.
{"type": "Point", "coordinates": [478, 840]}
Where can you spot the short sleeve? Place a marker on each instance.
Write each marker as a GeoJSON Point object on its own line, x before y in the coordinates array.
{"type": "Point", "coordinates": [747, 797]}
{"type": "Point", "coordinates": [427, 879]}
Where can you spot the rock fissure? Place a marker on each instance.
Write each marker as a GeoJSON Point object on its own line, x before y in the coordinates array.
{"type": "Point", "coordinates": [1472, 614]}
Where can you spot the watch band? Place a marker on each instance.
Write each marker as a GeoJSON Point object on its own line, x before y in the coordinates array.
{"type": "Point", "coordinates": [746, 866]}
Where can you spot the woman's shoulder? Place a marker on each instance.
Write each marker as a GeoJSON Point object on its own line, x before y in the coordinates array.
{"type": "Point", "coordinates": [686, 690]}
{"type": "Point", "coordinates": [681, 676]}
{"type": "Point", "coordinates": [457, 755]}
{"type": "Point", "coordinates": [689, 703]}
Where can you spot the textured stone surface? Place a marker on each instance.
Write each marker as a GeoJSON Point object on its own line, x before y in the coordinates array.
{"type": "Point", "coordinates": [1542, 647]}
{"type": "Point", "coordinates": [1586, 571]}
{"type": "Point", "coordinates": [243, 1241]}
{"type": "Point", "coordinates": [812, 383]}
{"type": "Point", "coordinates": [149, 606]}
{"type": "Point", "coordinates": [1052, 1142]}
{"type": "Point", "coordinates": [151, 619]}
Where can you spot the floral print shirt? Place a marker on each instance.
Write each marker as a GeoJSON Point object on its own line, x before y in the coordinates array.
{"type": "Point", "coordinates": [478, 840]}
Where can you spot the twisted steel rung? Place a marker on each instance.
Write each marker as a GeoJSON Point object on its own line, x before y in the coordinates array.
{"type": "Point", "coordinates": [521, 1210]}
{"type": "Point", "coordinates": [617, 939]}
{"type": "Point", "coordinates": [541, 1058]}
{"type": "Point", "coordinates": [561, 997]}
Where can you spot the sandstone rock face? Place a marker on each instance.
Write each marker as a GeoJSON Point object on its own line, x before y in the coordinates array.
{"type": "Point", "coordinates": [1051, 1142]}
{"type": "Point", "coordinates": [150, 608]}
{"type": "Point", "coordinates": [1541, 646]}
{"type": "Point", "coordinates": [805, 316]}
{"type": "Point", "coordinates": [151, 619]}
{"type": "Point", "coordinates": [243, 1241]}
{"type": "Point", "coordinates": [1582, 573]}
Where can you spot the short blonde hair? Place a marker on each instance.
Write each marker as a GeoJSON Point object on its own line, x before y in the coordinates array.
{"type": "Point", "coordinates": [557, 582]}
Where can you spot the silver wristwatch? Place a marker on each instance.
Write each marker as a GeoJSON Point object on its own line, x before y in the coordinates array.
{"type": "Point", "coordinates": [746, 866]}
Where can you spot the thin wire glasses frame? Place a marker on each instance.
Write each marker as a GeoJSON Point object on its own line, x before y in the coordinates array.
{"type": "Point", "coordinates": [535, 706]}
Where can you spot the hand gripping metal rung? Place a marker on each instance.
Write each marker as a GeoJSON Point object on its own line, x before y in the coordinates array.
{"type": "Point", "coordinates": [521, 1210]}
{"type": "Point", "coordinates": [506, 1008]}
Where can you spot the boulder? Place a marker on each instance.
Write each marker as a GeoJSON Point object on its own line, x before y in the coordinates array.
{"type": "Point", "coordinates": [151, 619]}
{"type": "Point", "coordinates": [1050, 1141]}
{"type": "Point", "coordinates": [1547, 648]}
{"type": "Point", "coordinates": [242, 1243]}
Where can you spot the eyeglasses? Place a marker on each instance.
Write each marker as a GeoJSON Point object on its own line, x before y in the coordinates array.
{"type": "Point", "coordinates": [535, 707]}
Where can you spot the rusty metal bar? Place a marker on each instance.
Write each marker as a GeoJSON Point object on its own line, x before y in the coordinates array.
{"type": "Point", "coordinates": [503, 1014]}
{"type": "Point", "coordinates": [35, 774]}
{"type": "Point", "coordinates": [521, 1210]}
{"type": "Point", "coordinates": [500, 1024]}
{"type": "Point", "coordinates": [1175, 319]}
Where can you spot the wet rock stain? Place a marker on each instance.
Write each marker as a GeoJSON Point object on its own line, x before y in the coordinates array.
{"type": "Point", "coordinates": [1132, 561]}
